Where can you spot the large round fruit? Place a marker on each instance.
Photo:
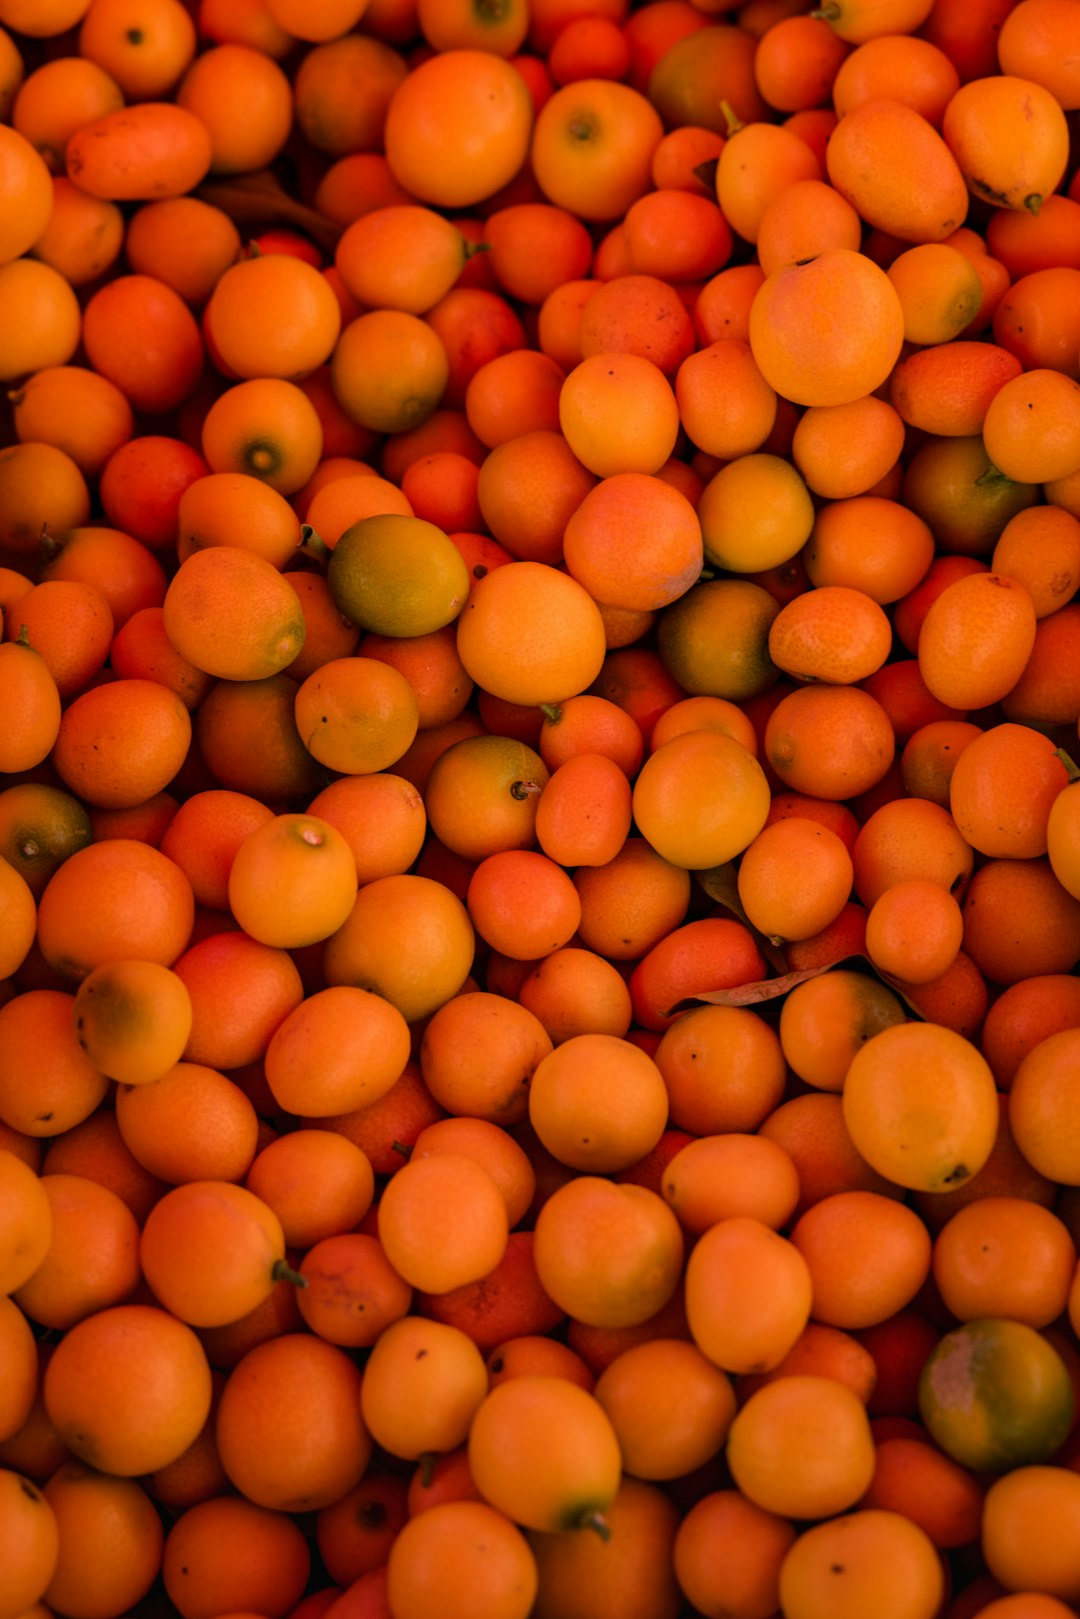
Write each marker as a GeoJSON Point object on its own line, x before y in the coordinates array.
{"type": "Point", "coordinates": [995, 1395]}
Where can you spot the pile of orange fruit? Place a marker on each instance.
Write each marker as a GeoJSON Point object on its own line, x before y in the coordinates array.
{"type": "Point", "coordinates": [539, 809]}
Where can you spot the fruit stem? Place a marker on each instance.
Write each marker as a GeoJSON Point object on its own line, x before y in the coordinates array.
{"type": "Point", "coordinates": [551, 712]}
{"type": "Point", "coordinates": [1072, 770]}
{"type": "Point", "coordinates": [50, 546]}
{"type": "Point", "coordinates": [402, 1148]}
{"type": "Point", "coordinates": [312, 544]}
{"type": "Point", "coordinates": [829, 12]}
{"type": "Point", "coordinates": [595, 1521]}
{"type": "Point", "coordinates": [731, 118]}
{"type": "Point", "coordinates": [23, 637]}
{"type": "Point", "coordinates": [522, 789]}
{"type": "Point", "coordinates": [1033, 202]}
{"type": "Point", "coordinates": [427, 1468]}
{"type": "Point", "coordinates": [282, 1271]}
{"type": "Point", "coordinates": [581, 127]}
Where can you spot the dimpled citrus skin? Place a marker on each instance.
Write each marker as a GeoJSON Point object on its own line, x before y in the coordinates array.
{"type": "Point", "coordinates": [549, 549]}
{"type": "Point", "coordinates": [827, 330]}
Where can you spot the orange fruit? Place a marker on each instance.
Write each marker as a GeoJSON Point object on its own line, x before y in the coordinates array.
{"type": "Point", "coordinates": [417, 1203]}
{"type": "Point", "coordinates": [668, 558]}
{"type": "Point", "coordinates": [458, 1553]}
{"type": "Point", "coordinates": [756, 513]}
{"type": "Point", "coordinates": [633, 1568]}
{"type": "Point", "coordinates": [832, 742]}
{"type": "Point", "coordinates": [110, 1538]}
{"type": "Point", "coordinates": [618, 413]}
{"type": "Point", "coordinates": [310, 1387]}
{"type": "Point", "coordinates": [700, 799]}
{"type": "Point", "coordinates": [30, 1541]}
{"type": "Point", "coordinates": [292, 881]}
{"type": "Point", "coordinates": [1007, 172]}
{"type": "Point", "coordinates": [243, 99]}
{"type": "Point", "coordinates": [458, 127]}
{"type": "Point", "coordinates": [129, 1389]}
{"type": "Point", "coordinates": [272, 316]}
{"type": "Point", "coordinates": [976, 639]}
{"type": "Point", "coordinates": [802, 1446]}
{"type": "Point", "coordinates": [714, 641]}
{"type": "Point", "coordinates": [226, 1554]}
{"type": "Point", "coordinates": [573, 1108]}
{"type": "Point", "coordinates": [728, 1553]}
{"type": "Point", "coordinates": [748, 1295]}
{"type": "Point", "coordinates": [939, 289]}
{"type": "Point", "coordinates": [531, 634]}
{"type": "Point", "coordinates": [31, 705]}
{"type": "Point", "coordinates": [1026, 1519]}
{"type": "Point", "coordinates": [133, 1019]}
{"type": "Point", "coordinates": [701, 70]}
{"type": "Point", "coordinates": [397, 575]}
{"type": "Point", "coordinates": [409, 939]}
{"type": "Point", "coordinates": [356, 714]}
{"type": "Point", "coordinates": [543, 1451]}
{"type": "Point", "coordinates": [592, 147]}
{"type": "Point", "coordinates": [927, 1134]}
{"type": "Point", "coordinates": [1031, 430]}
{"type": "Point", "coordinates": [827, 331]}
{"type": "Point", "coordinates": [995, 1395]}
{"type": "Point", "coordinates": [847, 1566]}
{"type": "Point", "coordinates": [203, 621]}
{"type": "Point", "coordinates": [26, 1215]}
{"type": "Point", "coordinates": [27, 194]}
{"type": "Point", "coordinates": [897, 171]}
{"type": "Point", "coordinates": [122, 742]}
{"type": "Point", "coordinates": [794, 878]}
{"type": "Point", "coordinates": [833, 633]}
{"type": "Point", "coordinates": [113, 901]}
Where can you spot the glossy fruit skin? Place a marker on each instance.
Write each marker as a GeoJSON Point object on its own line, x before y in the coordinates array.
{"type": "Point", "coordinates": [701, 494]}
{"type": "Point", "coordinates": [31, 707]}
{"type": "Point", "coordinates": [995, 1395]}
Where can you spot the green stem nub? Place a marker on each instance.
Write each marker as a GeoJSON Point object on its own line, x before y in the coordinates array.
{"type": "Point", "coordinates": [595, 1521]}
{"type": "Point", "coordinates": [312, 544]}
{"type": "Point", "coordinates": [427, 1468]}
{"type": "Point", "coordinates": [1072, 770]}
{"type": "Point", "coordinates": [731, 118]}
{"type": "Point", "coordinates": [282, 1271]}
